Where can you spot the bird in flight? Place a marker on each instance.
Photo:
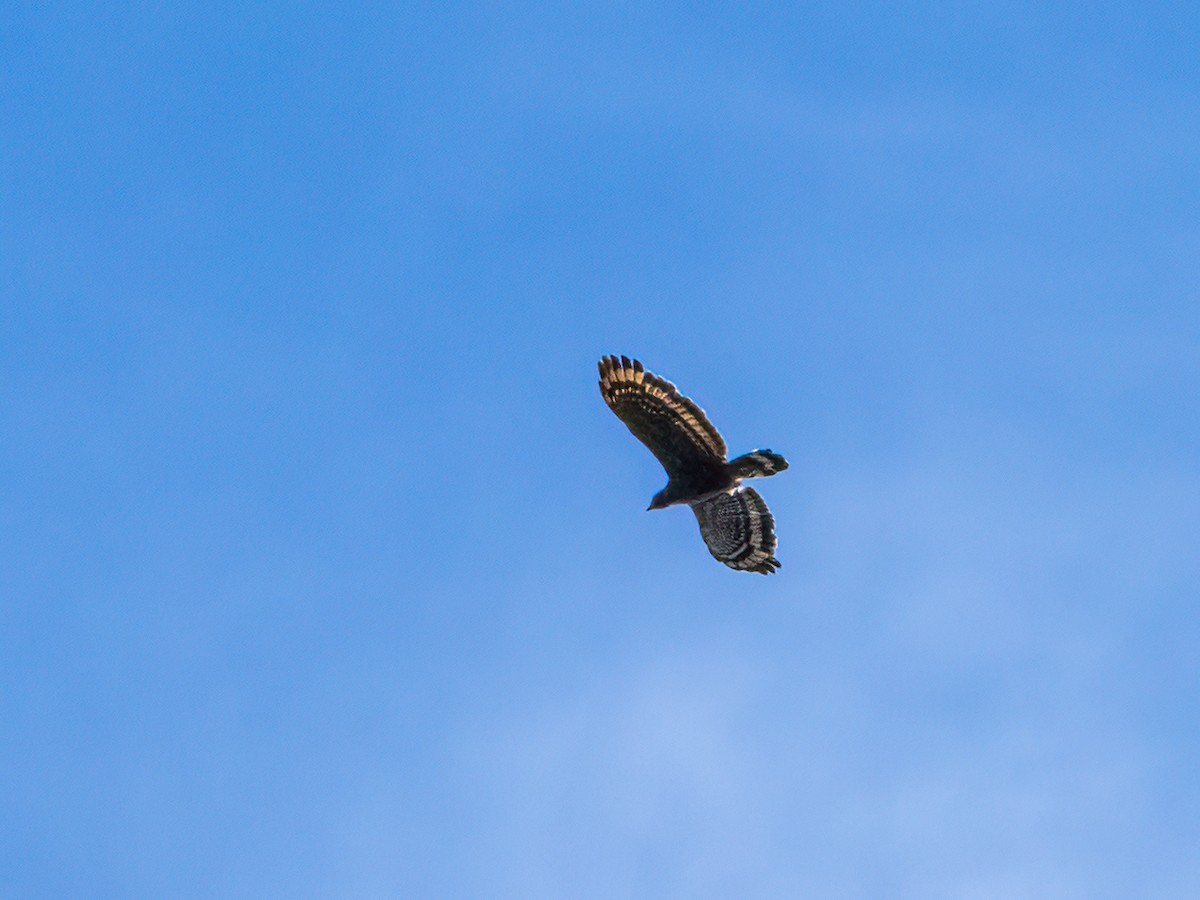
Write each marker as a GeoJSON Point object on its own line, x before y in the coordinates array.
{"type": "Point", "coordinates": [734, 521]}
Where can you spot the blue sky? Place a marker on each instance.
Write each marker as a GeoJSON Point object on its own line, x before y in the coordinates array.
{"type": "Point", "coordinates": [326, 572]}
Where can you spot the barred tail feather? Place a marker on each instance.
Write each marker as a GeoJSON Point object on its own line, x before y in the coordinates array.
{"type": "Point", "coordinates": [757, 464]}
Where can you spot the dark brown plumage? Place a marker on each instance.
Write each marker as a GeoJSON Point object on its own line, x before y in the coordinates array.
{"type": "Point", "coordinates": [734, 521]}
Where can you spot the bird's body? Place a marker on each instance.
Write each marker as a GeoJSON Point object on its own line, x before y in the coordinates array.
{"type": "Point", "coordinates": [734, 521]}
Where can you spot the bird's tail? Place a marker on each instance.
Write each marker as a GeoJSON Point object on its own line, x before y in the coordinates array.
{"type": "Point", "coordinates": [757, 464]}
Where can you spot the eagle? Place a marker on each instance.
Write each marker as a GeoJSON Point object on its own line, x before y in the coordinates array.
{"type": "Point", "coordinates": [734, 521]}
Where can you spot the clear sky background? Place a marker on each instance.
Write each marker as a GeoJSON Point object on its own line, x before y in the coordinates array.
{"type": "Point", "coordinates": [325, 571]}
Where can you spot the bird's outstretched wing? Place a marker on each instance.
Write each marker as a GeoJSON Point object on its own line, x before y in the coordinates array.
{"type": "Point", "coordinates": [672, 426]}
{"type": "Point", "coordinates": [739, 530]}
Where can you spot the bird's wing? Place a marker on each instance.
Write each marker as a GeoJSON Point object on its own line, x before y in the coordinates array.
{"type": "Point", "coordinates": [672, 426]}
{"type": "Point", "coordinates": [739, 530]}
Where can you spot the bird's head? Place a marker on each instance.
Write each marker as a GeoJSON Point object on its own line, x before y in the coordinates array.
{"type": "Point", "coordinates": [660, 501]}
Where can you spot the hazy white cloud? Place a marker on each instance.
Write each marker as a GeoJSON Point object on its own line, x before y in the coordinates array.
{"type": "Point", "coordinates": [964, 734]}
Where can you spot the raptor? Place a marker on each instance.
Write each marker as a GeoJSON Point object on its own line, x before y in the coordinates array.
{"type": "Point", "coordinates": [734, 521]}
